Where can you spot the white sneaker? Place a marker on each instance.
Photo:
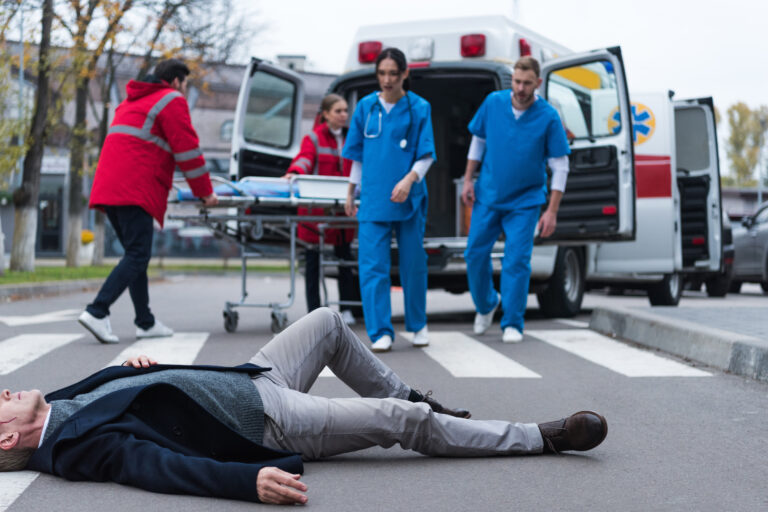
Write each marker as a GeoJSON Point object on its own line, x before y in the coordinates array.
{"type": "Point", "coordinates": [348, 317]}
{"type": "Point", "coordinates": [99, 327]}
{"type": "Point", "coordinates": [421, 338]}
{"type": "Point", "coordinates": [383, 344]}
{"type": "Point", "coordinates": [484, 321]}
{"type": "Point", "coordinates": [512, 335]}
{"type": "Point", "coordinates": [159, 330]}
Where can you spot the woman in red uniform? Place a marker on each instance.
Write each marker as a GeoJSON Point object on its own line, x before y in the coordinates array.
{"type": "Point", "coordinates": [320, 154]}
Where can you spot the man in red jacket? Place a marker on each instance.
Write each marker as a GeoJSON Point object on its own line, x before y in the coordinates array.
{"type": "Point", "coordinates": [151, 135]}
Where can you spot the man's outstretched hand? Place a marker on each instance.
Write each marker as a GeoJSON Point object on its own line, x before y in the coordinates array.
{"type": "Point", "coordinates": [274, 485]}
{"type": "Point", "coordinates": [140, 362]}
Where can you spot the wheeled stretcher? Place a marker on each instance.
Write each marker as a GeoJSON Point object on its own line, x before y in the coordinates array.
{"type": "Point", "coordinates": [259, 215]}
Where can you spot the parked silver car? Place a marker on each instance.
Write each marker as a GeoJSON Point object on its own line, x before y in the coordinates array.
{"type": "Point", "coordinates": [750, 240]}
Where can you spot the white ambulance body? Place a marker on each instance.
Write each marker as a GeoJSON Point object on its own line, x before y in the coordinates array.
{"type": "Point", "coordinates": [455, 64]}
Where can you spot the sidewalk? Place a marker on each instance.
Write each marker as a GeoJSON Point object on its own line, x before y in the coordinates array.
{"type": "Point", "coordinates": [730, 334]}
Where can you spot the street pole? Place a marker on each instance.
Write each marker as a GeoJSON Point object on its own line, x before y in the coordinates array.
{"type": "Point", "coordinates": [761, 162]}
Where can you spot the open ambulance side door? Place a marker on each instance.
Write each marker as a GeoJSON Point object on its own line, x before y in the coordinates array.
{"type": "Point", "coordinates": [267, 125]}
{"type": "Point", "coordinates": [698, 180]}
{"type": "Point", "coordinates": [589, 90]}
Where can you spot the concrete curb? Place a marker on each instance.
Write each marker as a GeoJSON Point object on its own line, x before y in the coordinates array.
{"type": "Point", "coordinates": [732, 352]}
{"type": "Point", "coordinates": [10, 292]}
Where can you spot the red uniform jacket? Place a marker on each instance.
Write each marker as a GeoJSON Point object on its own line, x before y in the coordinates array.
{"type": "Point", "coordinates": [320, 155]}
{"type": "Point", "coordinates": [150, 136]}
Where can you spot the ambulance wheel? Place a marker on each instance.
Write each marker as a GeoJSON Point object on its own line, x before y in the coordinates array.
{"type": "Point", "coordinates": [563, 294]}
{"type": "Point", "coordinates": [735, 287]}
{"type": "Point", "coordinates": [279, 321]}
{"type": "Point", "coordinates": [230, 320]}
{"type": "Point", "coordinates": [718, 285]}
{"type": "Point", "coordinates": [666, 292]}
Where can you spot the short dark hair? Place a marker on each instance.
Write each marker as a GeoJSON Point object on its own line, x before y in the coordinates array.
{"type": "Point", "coordinates": [170, 69]}
{"type": "Point", "coordinates": [528, 63]}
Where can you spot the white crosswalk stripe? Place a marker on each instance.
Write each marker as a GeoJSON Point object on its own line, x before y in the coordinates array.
{"type": "Point", "coordinates": [464, 356]}
{"type": "Point", "coordinates": [181, 348]}
{"type": "Point", "coordinates": [615, 356]}
{"type": "Point", "coordinates": [13, 484]}
{"type": "Point", "coordinates": [23, 349]}
{"type": "Point", "coordinates": [43, 318]}
{"type": "Point", "coordinates": [572, 323]}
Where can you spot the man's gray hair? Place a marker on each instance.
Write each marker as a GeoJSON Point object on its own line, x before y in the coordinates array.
{"type": "Point", "coordinates": [15, 459]}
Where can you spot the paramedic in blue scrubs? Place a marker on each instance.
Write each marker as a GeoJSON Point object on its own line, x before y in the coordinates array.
{"type": "Point", "coordinates": [391, 146]}
{"type": "Point", "coordinates": [515, 133]}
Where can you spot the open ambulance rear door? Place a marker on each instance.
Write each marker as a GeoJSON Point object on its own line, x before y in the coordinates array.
{"type": "Point", "coordinates": [267, 121]}
{"type": "Point", "coordinates": [698, 180]}
{"type": "Point", "coordinates": [589, 90]}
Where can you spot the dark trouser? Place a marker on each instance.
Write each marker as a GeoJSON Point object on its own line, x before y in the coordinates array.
{"type": "Point", "coordinates": [347, 288]}
{"type": "Point", "coordinates": [134, 229]}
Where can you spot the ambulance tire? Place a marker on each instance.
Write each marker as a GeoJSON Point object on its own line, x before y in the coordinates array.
{"type": "Point", "coordinates": [735, 287]}
{"type": "Point", "coordinates": [718, 285]}
{"type": "Point", "coordinates": [666, 292]}
{"type": "Point", "coordinates": [565, 290]}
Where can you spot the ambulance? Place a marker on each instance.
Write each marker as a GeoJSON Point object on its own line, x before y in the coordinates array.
{"type": "Point", "coordinates": [642, 201]}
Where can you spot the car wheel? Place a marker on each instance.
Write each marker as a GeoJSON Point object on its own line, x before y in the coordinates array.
{"type": "Point", "coordinates": [764, 286]}
{"type": "Point", "coordinates": [735, 287]}
{"type": "Point", "coordinates": [565, 290]}
{"type": "Point", "coordinates": [719, 285]}
{"type": "Point", "coordinates": [666, 292]}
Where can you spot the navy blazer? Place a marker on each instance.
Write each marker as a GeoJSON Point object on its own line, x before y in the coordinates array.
{"type": "Point", "coordinates": [157, 438]}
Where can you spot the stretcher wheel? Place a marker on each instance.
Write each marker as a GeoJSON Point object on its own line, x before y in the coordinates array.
{"type": "Point", "coordinates": [230, 321]}
{"type": "Point", "coordinates": [279, 321]}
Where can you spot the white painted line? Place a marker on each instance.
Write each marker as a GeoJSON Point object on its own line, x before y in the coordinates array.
{"type": "Point", "coordinates": [572, 323]}
{"type": "Point", "coordinates": [181, 348]}
{"type": "Point", "coordinates": [614, 355]}
{"type": "Point", "coordinates": [23, 349]}
{"type": "Point", "coordinates": [463, 356]}
{"type": "Point", "coordinates": [43, 318]}
{"type": "Point", "coordinates": [13, 484]}
{"type": "Point", "coordinates": [326, 373]}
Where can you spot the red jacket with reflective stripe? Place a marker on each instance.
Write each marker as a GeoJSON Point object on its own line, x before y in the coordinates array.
{"type": "Point", "coordinates": [150, 136]}
{"type": "Point", "coordinates": [319, 155]}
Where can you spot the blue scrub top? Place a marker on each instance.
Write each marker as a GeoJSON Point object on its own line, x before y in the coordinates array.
{"type": "Point", "coordinates": [513, 173]}
{"type": "Point", "coordinates": [384, 162]}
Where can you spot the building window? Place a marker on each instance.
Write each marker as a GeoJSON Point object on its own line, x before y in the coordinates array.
{"type": "Point", "coordinates": [225, 132]}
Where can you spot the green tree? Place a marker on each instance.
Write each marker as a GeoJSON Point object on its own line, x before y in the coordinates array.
{"type": "Point", "coordinates": [747, 136]}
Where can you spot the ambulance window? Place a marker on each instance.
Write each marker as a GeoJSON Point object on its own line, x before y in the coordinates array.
{"type": "Point", "coordinates": [587, 99]}
{"type": "Point", "coordinates": [269, 113]}
{"type": "Point", "coordinates": [692, 139]}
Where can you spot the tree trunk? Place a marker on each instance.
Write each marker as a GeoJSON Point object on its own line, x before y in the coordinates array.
{"type": "Point", "coordinates": [77, 158]}
{"type": "Point", "coordinates": [25, 198]}
{"type": "Point", "coordinates": [2, 249]}
{"type": "Point", "coordinates": [99, 231]}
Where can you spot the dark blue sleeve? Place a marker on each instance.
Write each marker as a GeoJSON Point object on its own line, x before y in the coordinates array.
{"type": "Point", "coordinates": [353, 145]}
{"type": "Point", "coordinates": [477, 124]}
{"type": "Point", "coordinates": [124, 459]}
{"type": "Point", "coordinates": [425, 141]}
{"type": "Point", "coordinates": [557, 142]}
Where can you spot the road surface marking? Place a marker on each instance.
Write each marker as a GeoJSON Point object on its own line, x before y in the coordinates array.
{"type": "Point", "coordinates": [43, 318]}
{"type": "Point", "coordinates": [181, 348]}
{"type": "Point", "coordinates": [464, 356]}
{"type": "Point", "coordinates": [614, 355]}
{"type": "Point", "coordinates": [13, 484]}
{"type": "Point", "coordinates": [23, 349]}
{"type": "Point", "coordinates": [326, 373]}
{"type": "Point", "coordinates": [572, 323]}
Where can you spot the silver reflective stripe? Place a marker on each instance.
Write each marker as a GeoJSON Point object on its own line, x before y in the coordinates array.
{"type": "Point", "coordinates": [187, 155]}
{"type": "Point", "coordinates": [157, 108]}
{"type": "Point", "coordinates": [194, 173]}
{"type": "Point", "coordinates": [304, 163]}
{"type": "Point", "coordinates": [145, 132]}
{"type": "Point", "coordinates": [139, 134]}
{"type": "Point", "coordinates": [328, 151]}
{"type": "Point", "coordinates": [316, 142]}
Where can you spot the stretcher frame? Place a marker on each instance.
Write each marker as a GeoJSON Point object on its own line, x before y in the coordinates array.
{"type": "Point", "coordinates": [246, 229]}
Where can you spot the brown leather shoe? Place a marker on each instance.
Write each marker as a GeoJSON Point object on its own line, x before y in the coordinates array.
{"type": "Point", "coordinates": [439, 408]}
{"type": "Point", "coordinates": [581, 431]}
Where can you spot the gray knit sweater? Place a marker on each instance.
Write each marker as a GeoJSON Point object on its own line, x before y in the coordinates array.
{"type": "Point", "coordinates": [229, 396]}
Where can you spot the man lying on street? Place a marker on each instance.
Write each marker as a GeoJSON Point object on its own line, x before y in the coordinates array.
{"type": "Point", "coordinates": [242, 432]}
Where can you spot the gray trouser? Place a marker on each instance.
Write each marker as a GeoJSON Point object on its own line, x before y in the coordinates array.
{"type": "Point", "coordinates": [319, 427]}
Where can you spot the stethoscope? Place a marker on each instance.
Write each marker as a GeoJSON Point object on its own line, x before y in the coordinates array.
{"type": "Point", "coordinates": [404, 142]}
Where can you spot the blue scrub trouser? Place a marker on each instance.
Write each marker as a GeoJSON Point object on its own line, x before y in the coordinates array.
{"type": "Point", "coordinates": [519, 226]}
{"type": "Point", "coordinates": [374, 240]}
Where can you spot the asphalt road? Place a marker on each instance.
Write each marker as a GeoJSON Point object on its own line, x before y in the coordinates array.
{"type": "Point", "coordinates": [674, 442]}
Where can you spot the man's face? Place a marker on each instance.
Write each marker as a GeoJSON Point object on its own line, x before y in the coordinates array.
{"type": "Point", "coordinates": [19, 409]}
{"type": "Point", "coordinates": [524, 84]}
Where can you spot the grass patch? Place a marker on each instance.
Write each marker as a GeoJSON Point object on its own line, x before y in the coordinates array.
{"type": "Point", "coordinates": [44, 274]}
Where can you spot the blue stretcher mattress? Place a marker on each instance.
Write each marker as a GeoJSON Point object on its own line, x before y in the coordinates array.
{"type": "Point", "coordinates": [248, 188]}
